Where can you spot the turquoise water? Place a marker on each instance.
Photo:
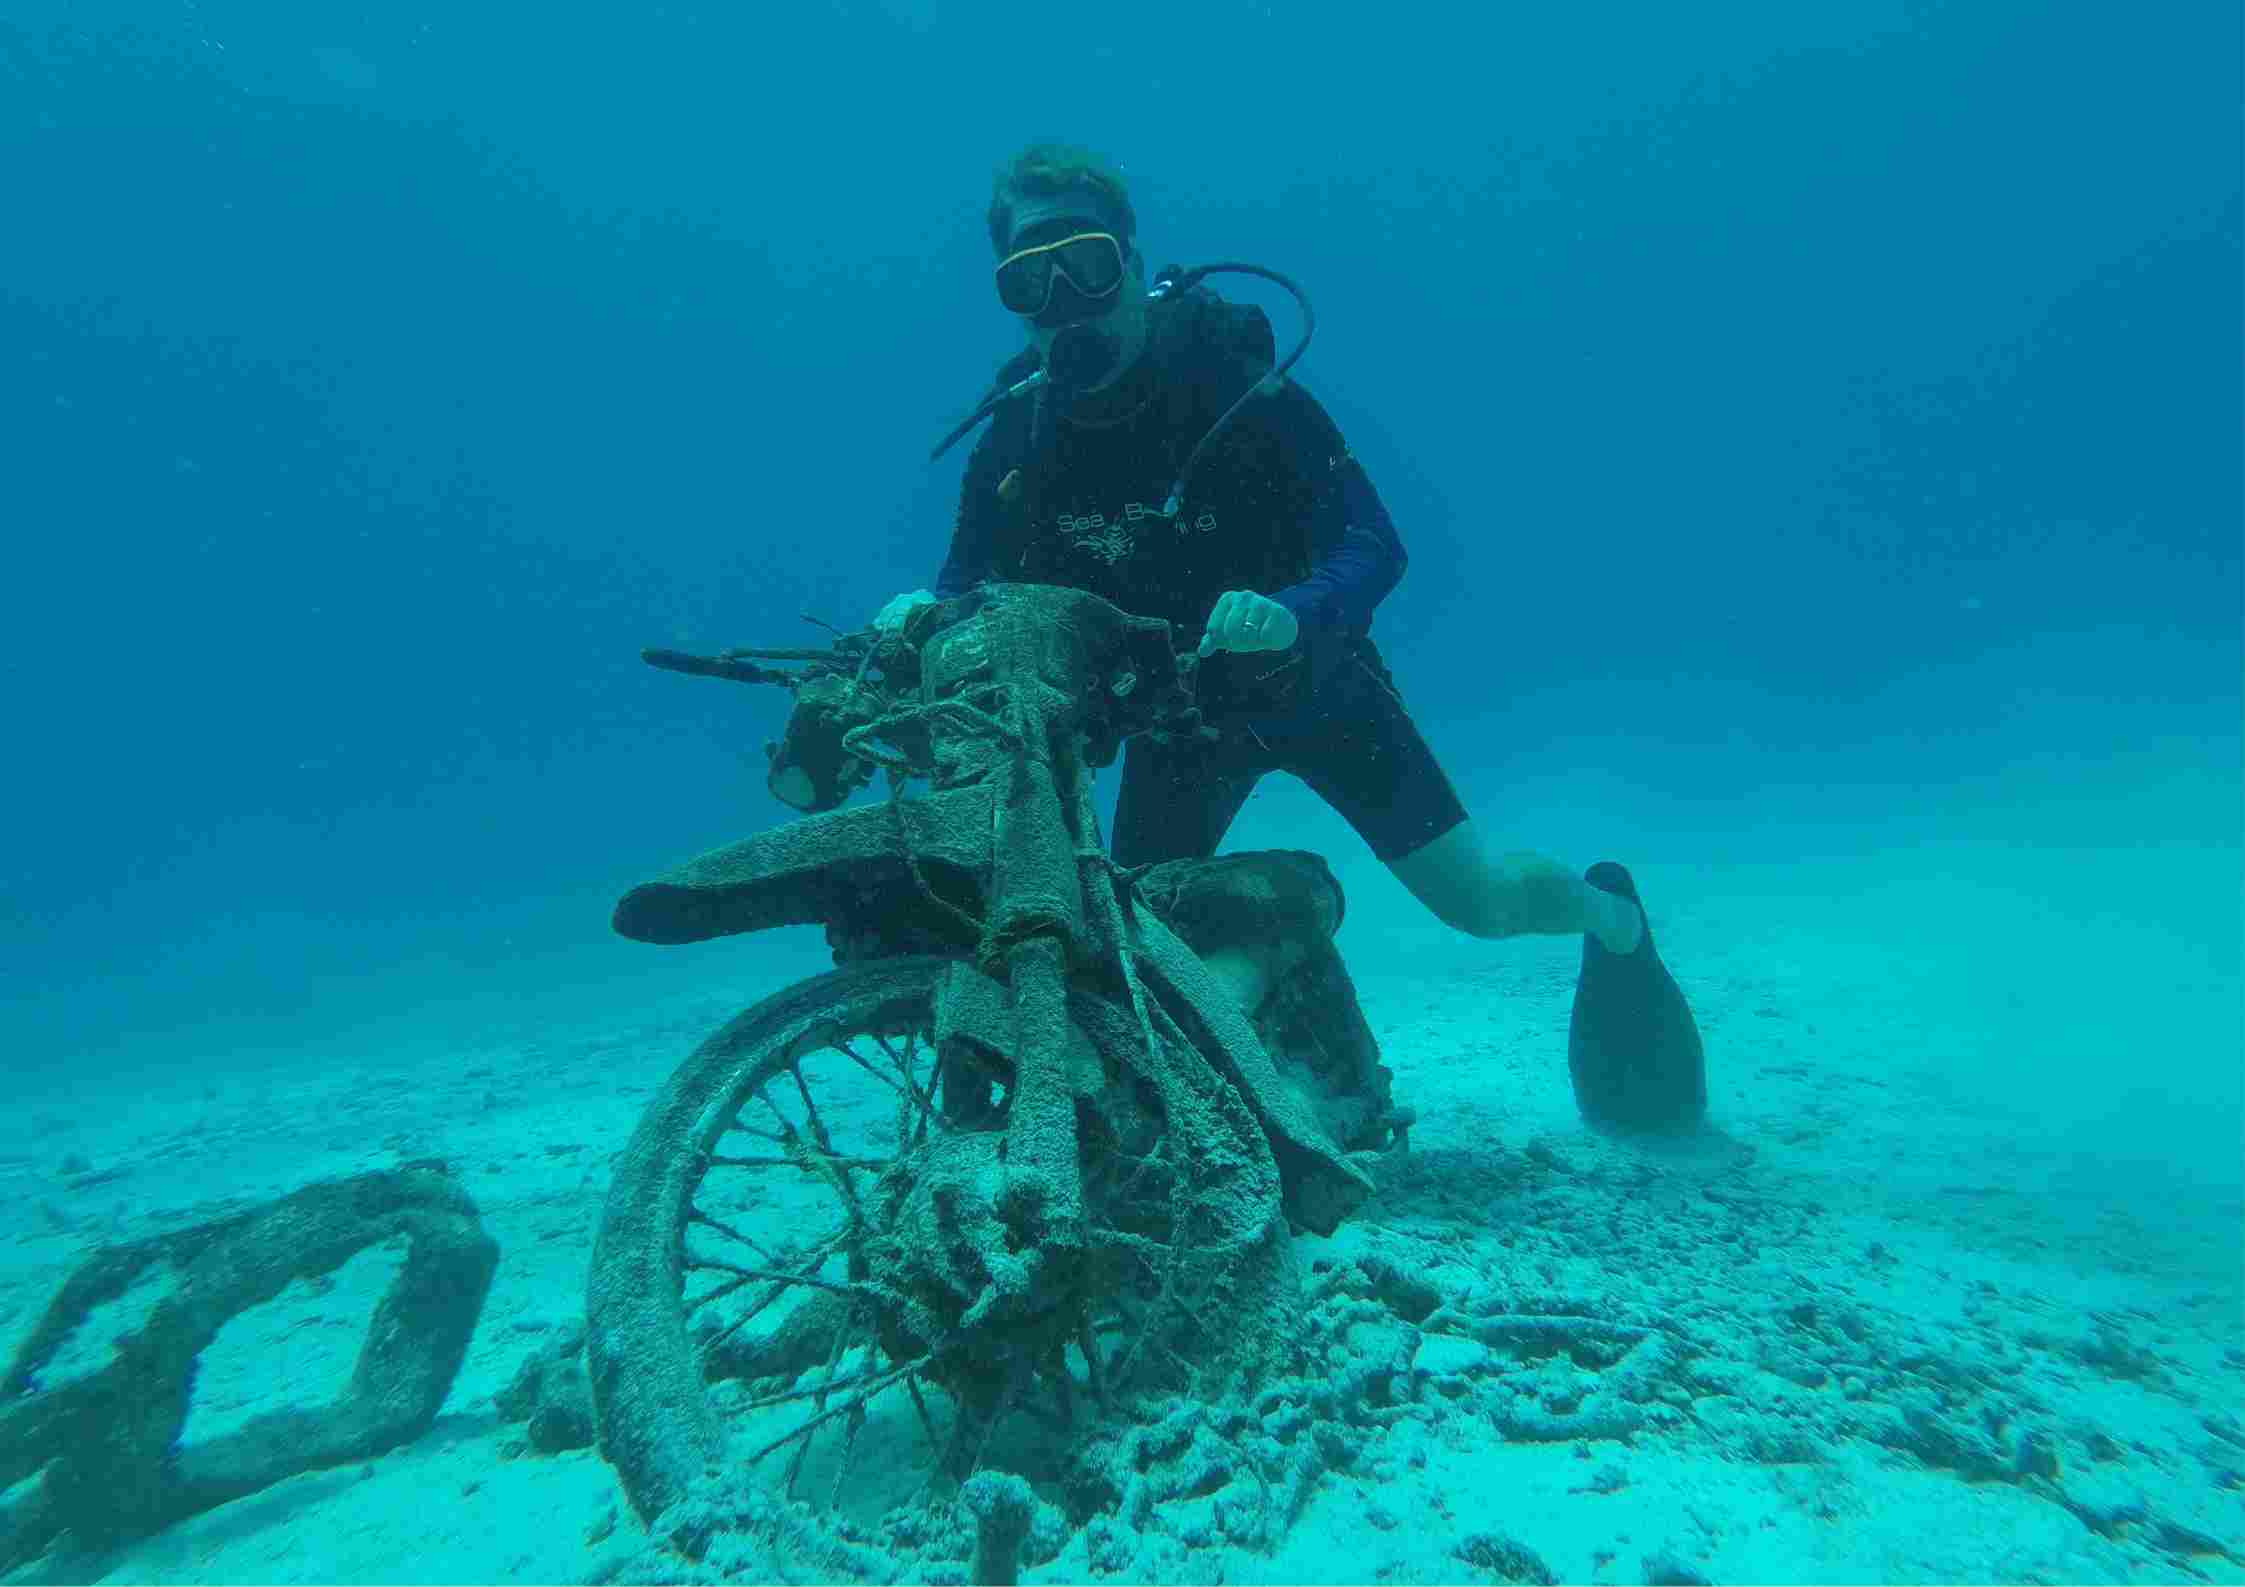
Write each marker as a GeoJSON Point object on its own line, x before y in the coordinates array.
{"type": "Point", "coordinates": [1816, 436]}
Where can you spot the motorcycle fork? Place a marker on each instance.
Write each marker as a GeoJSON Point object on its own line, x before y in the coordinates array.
{"type": "Point", "coordinates": [1035, 927]}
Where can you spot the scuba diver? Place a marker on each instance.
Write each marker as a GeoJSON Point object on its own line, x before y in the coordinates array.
{"type": "Point", "coordinates": [1148, 447]}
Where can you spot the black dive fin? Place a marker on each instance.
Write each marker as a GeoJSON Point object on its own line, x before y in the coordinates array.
{"type": "Point", "coordinates": [1633, 1050]}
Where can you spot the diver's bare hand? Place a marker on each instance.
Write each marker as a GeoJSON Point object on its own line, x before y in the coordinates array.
{"type": "Point", "coordinates": [1244, 620]}
{"type": "Point", "coordinates": [891, 618]}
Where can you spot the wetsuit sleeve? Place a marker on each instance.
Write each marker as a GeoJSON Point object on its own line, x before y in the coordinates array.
{"type": "Point", "coordinates": [975, 532]}
{"type": "Point", "coordinates": [1356, 557]}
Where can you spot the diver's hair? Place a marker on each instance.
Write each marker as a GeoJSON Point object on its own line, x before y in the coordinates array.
{"type": "Point", "coordinates": [1045, 169]}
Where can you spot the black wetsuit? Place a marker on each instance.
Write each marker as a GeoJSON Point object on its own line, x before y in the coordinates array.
{"type": "Point", "coordinates": [1277, 505]}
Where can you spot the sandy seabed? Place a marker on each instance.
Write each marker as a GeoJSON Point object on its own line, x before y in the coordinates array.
{"type": "Point", "coordinates": [1912, 1335]}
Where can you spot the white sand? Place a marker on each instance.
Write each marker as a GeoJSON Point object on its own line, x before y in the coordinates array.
{"type": "Point", "coordinates": [1946, 1114]}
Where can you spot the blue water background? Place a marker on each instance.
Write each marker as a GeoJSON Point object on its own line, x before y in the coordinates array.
{"type": "Point", "coordinates": [1816, 431]}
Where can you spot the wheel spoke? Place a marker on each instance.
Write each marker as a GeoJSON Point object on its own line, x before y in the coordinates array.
{"type": "Point", "coordinates": [865, 1063]}
{"type": "Point", "coordinates": [813, 1246]}
{"type": "Point", "coordinates": [696, 1215]}
{"type": "Point", "coordinates": [825, 1159]}
{"type": "Point", "coordinates": [818, 1126]}
{"type": "Point", "coordinates": [695, 1303]}
{"type": "Point", "coordinates": [873, 1383]}
{"type": "Point", "coordinates": [822, 1159]}
{"type": "Point", "coordinates": [979, 1429]}
{"type": "Point", "coordinates": [851, 1428]}
{"type": "Point", "coordinates": [813, 1260]}
{"type": "Point", "coordinates": [854, 1291]}
{"type": "Point", "coordinates": [834, 1354]}
{"type": "Point", "coordinates": [907, 1067]}
{"type": "Point", "coordinates": [927, 1422]}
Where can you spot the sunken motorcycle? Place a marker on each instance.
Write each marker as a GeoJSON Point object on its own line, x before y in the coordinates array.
{"type": "Point", "coordinates": [1042, 1131]}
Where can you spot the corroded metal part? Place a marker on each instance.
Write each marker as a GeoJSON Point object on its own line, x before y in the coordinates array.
{"type": "Point", "coordinates": [1110, 1135]}
{"type": "Point", "coordinates": [653, 1418]}
{"type": "Point", "coordinates": [1279, 908]}
{"type": "Point", "coordinates": [105, 1445]}
{"type": "Point", "coordinates": [823, 866]}
{"type": "Point", "coordinates": [1322, 1185]}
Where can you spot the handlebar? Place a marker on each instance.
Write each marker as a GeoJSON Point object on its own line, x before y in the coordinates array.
{"type": "Point", "coordinates": [864, 690]}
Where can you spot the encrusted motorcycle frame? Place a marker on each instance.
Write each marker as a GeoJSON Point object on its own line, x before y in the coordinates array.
{"type": "Point", "coordinates": [1091, 1137]}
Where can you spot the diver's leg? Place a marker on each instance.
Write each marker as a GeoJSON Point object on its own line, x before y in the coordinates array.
{"type": "Point", "coordinates": [1369, 761]}
{"type": "Point", "coordinates": [1178, 799]}
{"type": "Point", "coordinates": [1471, 887]}
{"type": "Point", "coordinates": [1633, 1049]}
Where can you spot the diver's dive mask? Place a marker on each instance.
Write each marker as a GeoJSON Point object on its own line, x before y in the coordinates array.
{"type": "Point", "coordinates": [1067, 286]}
{"type": "Point", "coordinates": [1061, 282]}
